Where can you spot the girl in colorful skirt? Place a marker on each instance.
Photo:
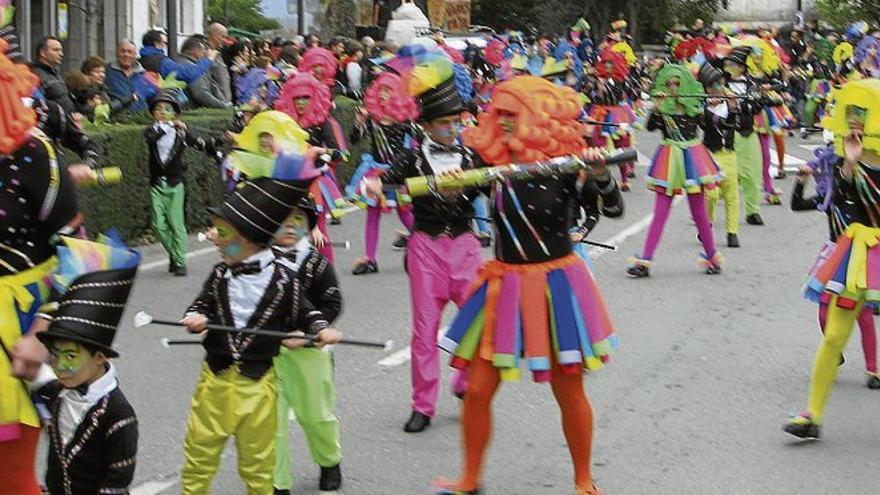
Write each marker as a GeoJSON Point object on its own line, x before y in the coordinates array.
{"type": "Point", "coordinates": [610, 111]}
{"type": "Point", "coordinates": [387, 121]}
{"type": "Point", "coordinates": [824, 168]}
{"type": "Point", "coordinates": [537, 301]}
{"type": "Point", "coordinates": [308, 101]}
{"type": "Point", "coordinates": [848, 277]}
{"type": "Point", "coordinates": [681, 165]}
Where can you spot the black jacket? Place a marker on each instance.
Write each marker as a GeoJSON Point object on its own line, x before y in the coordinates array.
{"type": "Point", "coordinates": [61, 129]}
{"type": "Point", "coordinates": [436, 215]}
{"type": "Point", "coordinates": [283, 307]}
{"type": "Point", "coordinates": [100, 457]}
{"type": "Point", "coordinates": [53, 86]}
{"type": "Point", "coordinates": [171, 171]}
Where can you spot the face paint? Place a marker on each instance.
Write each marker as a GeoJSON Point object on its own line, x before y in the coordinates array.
{"type": "Point", "coordinates": [164, 111]}
{"type": "Point", "coordinates": [67, 358]}
{"type": "Point", "coordinates": [231, 250]}
{"type": "Point", "coordinates": [856, 117]}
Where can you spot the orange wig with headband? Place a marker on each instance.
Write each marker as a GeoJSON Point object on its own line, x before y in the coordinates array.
{"type": "Point", "coordinates": [546, 117]}
{"type": "Point", "coordinates": [16, 118]}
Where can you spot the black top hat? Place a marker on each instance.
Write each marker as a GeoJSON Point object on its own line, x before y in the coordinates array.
{"type": "Point", "coordinates": [709, 75]}
{"type": "Point", "coordinates": [168, 97]}
{"type": "Point", "coordinates": [440, 101]}
{"type": "Point", "coordinates": [90, 310]}
{"type": "Point", "coordinates": [739, 55]}
{"type": "Point", "coordinates": [258, 207]}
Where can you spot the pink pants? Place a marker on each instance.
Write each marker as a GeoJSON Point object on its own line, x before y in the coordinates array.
{"type": "Point", "coordinates": [769, 188]}
{"type": "Point", "coordinates": [869, 334]}
{"type": "Point", "coordinates": [440, 270]}
{"type": "Point", "coordinates": [374, 215]}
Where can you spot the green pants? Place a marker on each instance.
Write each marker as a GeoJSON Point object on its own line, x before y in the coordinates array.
{"type": "Point", "coordinates": [168, 222]}
{"type": "Point", "coordinates": [749, 168]}
{"type": "Point", "coordinates": [305, 384]}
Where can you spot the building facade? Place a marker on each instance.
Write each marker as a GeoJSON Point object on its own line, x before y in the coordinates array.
{"type": "Point", "coordinates": [756, 11]}
{"type": "Point", "coordinates": [93, 27]}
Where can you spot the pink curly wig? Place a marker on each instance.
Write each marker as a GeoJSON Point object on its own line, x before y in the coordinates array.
{"type": "Point", "coordinates": [620, 69]}
{"type": "Point", "coordinates": [494, 51]}
{"type": "Point", "coordinates": [400, 107]}
{"type": "Point", "coordinates": [546, 123]}
{"type": "Point", "coordinates": [300, 85]}
{"type": "Point", "coordinates": [321, 63]}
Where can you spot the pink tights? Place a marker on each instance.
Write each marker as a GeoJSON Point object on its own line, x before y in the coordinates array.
{"type": "Point", "coordinates": [869, 334]}
{"type": "Point", "coordinates": [662, 207]}
{"type": "Point", "coordinates": [374, 215]}
{"type": "Point", "coordinates": [765, 160]}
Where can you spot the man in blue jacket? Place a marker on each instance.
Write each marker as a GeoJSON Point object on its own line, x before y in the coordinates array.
{"type": "Point", "coordinates": [125, 79]}
{"type": "Point", "coordinates": [154, 59]}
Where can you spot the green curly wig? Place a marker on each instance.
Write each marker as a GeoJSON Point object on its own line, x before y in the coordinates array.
{"type": "Point", "coordinates": [693, 103]}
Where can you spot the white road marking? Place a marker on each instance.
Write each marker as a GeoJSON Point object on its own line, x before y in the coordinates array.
{"type": "Point", "coordinates": [811, 147]}
{"type": "Point", "coordinates": [153, 487]}
{"type": "Point", "coordinates": [192, 254]}
{"type": "Point", "coordinates": [617, 239]}
{"type": "Point", "coordinates": [403, 356]}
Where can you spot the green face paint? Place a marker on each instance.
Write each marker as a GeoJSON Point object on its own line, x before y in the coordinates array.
{"type": "Point", "coordinates": [164, 111]}
{"type": "Point", "coordinates": [68, 358]}
{"type": "Point", "coordinates": [232, 250]}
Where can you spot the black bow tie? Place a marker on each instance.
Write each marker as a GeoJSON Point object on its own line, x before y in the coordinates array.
{"type": "Point", "coordinates": [442, 148]}
{"type": "Point", "coordinates": [289, 254]}
{"type": "Point", "coordinates": [249, 268]}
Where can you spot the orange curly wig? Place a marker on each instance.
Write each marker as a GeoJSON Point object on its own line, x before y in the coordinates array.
{"type": "Point", "coordinates": [16, 118]}
{"type": "Point", "coordinates": [546, 117]}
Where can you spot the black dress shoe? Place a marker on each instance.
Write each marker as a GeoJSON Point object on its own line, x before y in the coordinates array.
{"type": "Point", "coordinates": [638, 271]}
{"type": "Point", "coordinates": [335, 220]}
{"type": "Point", "coordinates": [485, 240]}
{"type": "Point", "coordinates": [873, 382]}
{"type": "Point", "coordinates": [732, 241]}
{"type": "Point", "coordinates": [282, 491]}
{"type": "Point", "coordinates": [365, 267]}
{"type": "Point", "coordinates": [754, 219]}
{"type": "Point", "coordinates": [417, 422]}
{"type": "Point", "coordinates": [180, 271]}
{"type": "Point", "coordinates": [331, 478]}
{"type": "Point", "coordinates": [171, 267]}
{"type": "Point", "coordinates": [400, 242]}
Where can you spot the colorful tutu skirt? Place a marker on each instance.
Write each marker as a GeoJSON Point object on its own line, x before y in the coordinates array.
{"type": "Point", "coordinates": [356, 189]}
{"type": "Point", "coordinates": [616, 121]}
{"type": "Point", "coordinates": [679, 167]}
{"type": "Point", "coordinates": [848, 268]}
{"type": "Point", "coordinates": [545, 313]}
{"type": "Point", "coordinates": [325, 191]}
{"type": "Point", "coordinates": [773, 119]}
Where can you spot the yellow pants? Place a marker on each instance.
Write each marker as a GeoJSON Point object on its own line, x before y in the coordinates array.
{"type": "Point", "coordinates": [225, 405]}
{"type": "Point", "coordinates": [728, 190]}
{"type": "Point", "coordinates": [838, 329]}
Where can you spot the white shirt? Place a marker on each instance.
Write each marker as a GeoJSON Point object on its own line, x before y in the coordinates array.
{"type": "Point", "coordinates": [440, 162]}
{"type": "Point", "coordinates": [302, 249]}
{"type": "Point", "coordinates": [74, 405]}
{"type": "Point", "coordinates": [354, 72]}
{"type": "Point", "coordinates": [245, 291]}
{"type": "Point", "coordinates": [721, 110]}
{"type": "Point", "coordinates": [166, 142]}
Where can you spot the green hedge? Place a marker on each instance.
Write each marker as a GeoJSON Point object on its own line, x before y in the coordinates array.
{"type": "Point", "coordinates": [126, 206]}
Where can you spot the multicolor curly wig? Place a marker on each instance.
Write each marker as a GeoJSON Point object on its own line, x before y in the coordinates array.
{"type": "Point", "coordinates": [321, 63]}
{"type": "Point", "coordinates": [494, 51]}
{"type": "Point", "coordinates": [546, 123]}
{"type": "Point", "coordinates": [692, 103]}
{"type": "Point", "coordinates": [619, 70]}
{"type": "Point", "coordinates": [303, 84]}
{"type": "Point", "coordinates": [16, 118]}
{"type": "Point", "coordinates": [400, 107]}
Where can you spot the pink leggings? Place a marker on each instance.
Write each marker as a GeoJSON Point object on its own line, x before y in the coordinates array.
{"type": "Point", "coordinates": [374, 215]}
{"type": "Point", "coordinates": [662, 207]}
{"type": "Point", "coordinates": [765, 158]}
{"type": "Point", "coordinates": [869, 334]}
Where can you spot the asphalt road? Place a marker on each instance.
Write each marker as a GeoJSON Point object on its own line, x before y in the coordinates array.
{"type": "Point", "coordinates": [693, 401]}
